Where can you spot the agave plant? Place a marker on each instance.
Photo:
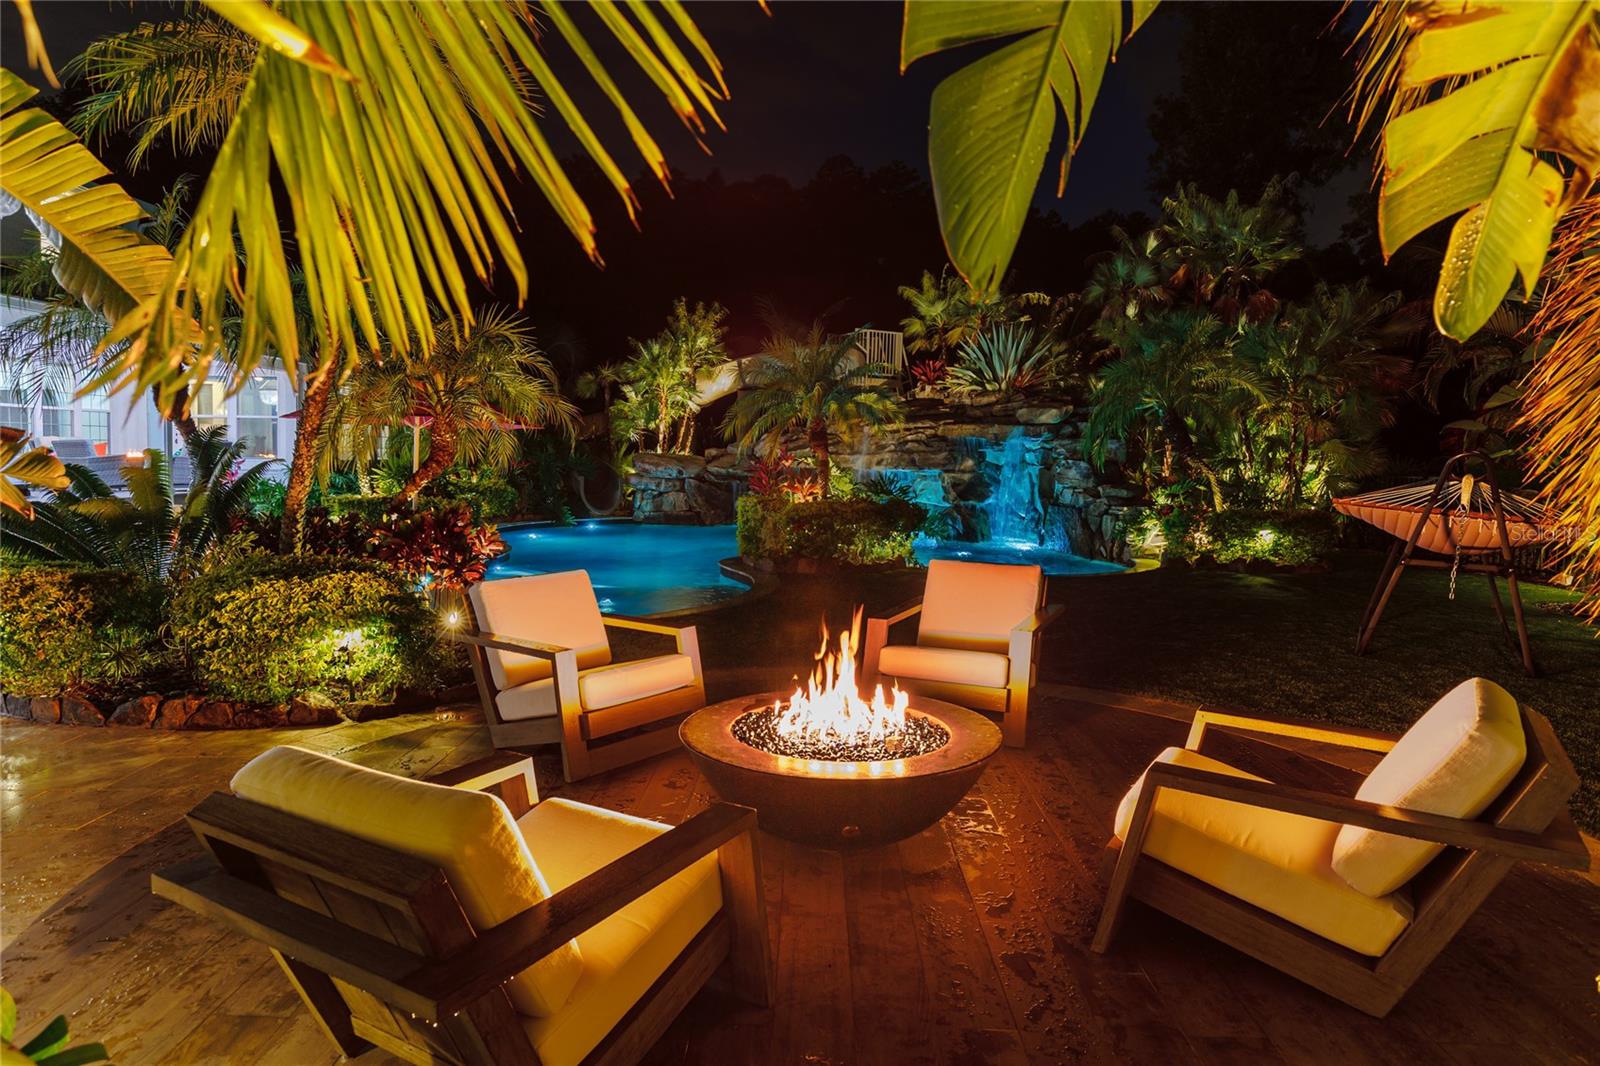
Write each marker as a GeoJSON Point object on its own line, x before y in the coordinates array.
{"type": "Point", "coordinates": [148, 532]}
{"type": "Point", "coordinates": [1005, 360]}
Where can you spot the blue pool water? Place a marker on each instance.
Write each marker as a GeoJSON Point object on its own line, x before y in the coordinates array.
{"type": "Point", "coordinates": [636, 569]}
{"type": "Point", "coordinates": [1053, 562]}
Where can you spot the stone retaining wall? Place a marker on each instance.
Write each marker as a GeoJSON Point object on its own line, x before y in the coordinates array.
{"type": "Point", "coordinates": [189, 711]}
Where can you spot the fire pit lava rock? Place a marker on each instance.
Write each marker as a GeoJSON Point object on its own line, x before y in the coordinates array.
{"type": "Point", "coordinates": [837, 802]}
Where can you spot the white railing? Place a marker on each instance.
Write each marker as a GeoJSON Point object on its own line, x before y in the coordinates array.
{"type": "Point", "coordinates": [886, 346]}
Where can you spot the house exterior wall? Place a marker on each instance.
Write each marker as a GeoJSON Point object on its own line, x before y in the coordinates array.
{"type": "Point", "coordinates": [126, 422]}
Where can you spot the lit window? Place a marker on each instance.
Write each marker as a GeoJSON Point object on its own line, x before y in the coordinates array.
{"type": "Point", "coordinates": [258, 413]}
{"type": "Point", "coordinates": [94, 417]}
{"type": "Point", "coordinates": [207, 405]}
{"type": "Point", "coordinates": [14, 406]}
{"type": "Point", "coordinates": [55, 408]}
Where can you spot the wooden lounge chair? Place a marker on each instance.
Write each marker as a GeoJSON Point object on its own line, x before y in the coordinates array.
{"type": "Point", "coordinates": [977, 640]}
{"type": "Point", "coordinates": [471, 924]}
{"type": "Point", "coordinates": [546, 676]}
{"type": "Point", "coordinates": [1354, 896]}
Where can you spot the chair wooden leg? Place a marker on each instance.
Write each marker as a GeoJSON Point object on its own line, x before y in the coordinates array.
{"type": "Point", "coordinates": [744, 898]}
{"type": "Point", "coordinates": [1014, 723]}
{"type": "Point", "coordinates": [1122, 875]}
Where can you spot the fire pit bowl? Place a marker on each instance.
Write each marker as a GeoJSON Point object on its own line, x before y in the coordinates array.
{"type": "Point", "coordinates": [838, 804]}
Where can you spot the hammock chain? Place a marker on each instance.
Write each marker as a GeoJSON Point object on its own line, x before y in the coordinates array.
{"type": "Point", "coordinates": [1455, 565]}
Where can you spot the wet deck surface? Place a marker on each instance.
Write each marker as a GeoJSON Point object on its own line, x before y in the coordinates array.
{"type": "Point", "coordinates": [965, 945]}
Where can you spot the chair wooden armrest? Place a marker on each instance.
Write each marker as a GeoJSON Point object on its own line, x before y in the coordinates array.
{"type": "Point", "coordinates": [512, 644]}
{"type": "Point", "coordinates": [1322, 732]}
{"type": "Point", "coordinates": [325, 943]}
{"type": "Point", "coordinates": [1040, 618]}
{"type": "Point", "coordinates": [688, 637]}
{"type": "Point", "coordinates": [643, 625]}
{"type": "Point", "coordinates": [450, 984]}
{"type": "Point", "coordinates": [507, 774]}
{"type": "Point", "coordinates": [900, 613]}
{"type": "Point", "coordinates": [1559, 845]}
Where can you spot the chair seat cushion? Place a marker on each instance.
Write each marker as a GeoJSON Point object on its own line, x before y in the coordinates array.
{"type": "Point", "coordinates": [945, 664]}
{"type": "Point", "coordinates": [602, 687]}
{"type": "Point", "coordinates": [625, 954]}
{"type": "Point", "coordinates": [469, 835]}
{"type": "Point", "coordinates": [1279, 862]}
{"type": "Point", "coordinates": [1455, 760]}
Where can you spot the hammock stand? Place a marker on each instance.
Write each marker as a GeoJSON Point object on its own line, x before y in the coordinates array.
{"type": "Point", "coordinates": [1455, 517]}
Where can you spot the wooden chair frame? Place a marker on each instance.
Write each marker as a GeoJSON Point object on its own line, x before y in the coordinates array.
{"type": "Point", "coordinates": [378, 947]}
{"type": "Point", "coordinates": [1009, 702]}
{"type": "Point", "coordinates": [591, 742]}
{"type": "Point", "coordinates": [1527, 822]}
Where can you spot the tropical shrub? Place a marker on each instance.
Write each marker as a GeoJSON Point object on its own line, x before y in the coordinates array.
{"type": "Point", "coordinates": [1282, 538]}
{"type": "Point", "coordinates": [857, 531]}
{"type": "Point", "coordinates": [809, 382]}
{"type": "Point", "coordinates": [443, 548]}
{"type": "Point", "coordinates": [273, 627]}
{"type": "Point", "coordinates": [66, 627]}
{"type": "Point", "coordinates": [1005, 360]}
{"type": "Point", "coordinates": [148, 531]}
{"type": "Point", "coordinates": [368, 508]}
{"type": "Point", "coordinates": [484, 491]}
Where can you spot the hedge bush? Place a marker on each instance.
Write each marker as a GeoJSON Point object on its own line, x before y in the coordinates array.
{"type": "Point", "coordinates": [486, 493]}
{"type": "Point", "coordinates": [70, 628]}
{"type": "Point", "coordinates": [856, 531]}
{"type": "Point", "coordinates": [270, 628]}
{"type": "Point", "coordinates": [1282, 538]}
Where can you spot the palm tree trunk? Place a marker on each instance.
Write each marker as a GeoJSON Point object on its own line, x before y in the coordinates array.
{"type": "Point", "coordinates": [663, 422]}
{"type": "Point", "coordinates": [183, 423]}
{"type": "Point", "coordinates": [441, 453]}
{"type": "Point", "coordinates": [303, 466]}
{"type": "Point", "coordinates": [817, 438]}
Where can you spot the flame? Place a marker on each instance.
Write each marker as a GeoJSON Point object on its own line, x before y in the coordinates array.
{"type": "Point", "coordinates": [831, 710]}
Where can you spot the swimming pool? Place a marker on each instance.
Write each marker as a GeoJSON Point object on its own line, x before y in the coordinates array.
{"type": "Point", "coordinates": [635, 568]}
{"type": "Point", "coordinates": [1053, 562]}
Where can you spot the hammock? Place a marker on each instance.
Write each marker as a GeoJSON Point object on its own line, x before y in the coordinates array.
{"type": "Point", "coordinates": [1462, 518]}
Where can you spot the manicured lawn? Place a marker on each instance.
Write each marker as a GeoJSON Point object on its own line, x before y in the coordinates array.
{"type": "Point", "coordinates": [1274, 644]}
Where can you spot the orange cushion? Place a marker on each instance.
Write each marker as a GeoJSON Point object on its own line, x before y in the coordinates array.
{"type": "Point", "coordinates": [470, 835]}
{"type": "Point", "coordinates": [951, 665]}
{"type": "Point", "coordinates": [975, 606]}
{"type": "Point", "coordinates": [557, 609]}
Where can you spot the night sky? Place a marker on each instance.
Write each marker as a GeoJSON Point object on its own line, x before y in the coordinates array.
{"type": "Point", "coordinates": [812, 81]}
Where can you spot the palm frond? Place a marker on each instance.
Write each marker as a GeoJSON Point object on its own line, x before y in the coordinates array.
{"type": "Point", "coordinates": [390, 147]}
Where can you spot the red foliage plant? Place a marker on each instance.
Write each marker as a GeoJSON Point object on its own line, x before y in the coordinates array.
{"type": "Point", "coordinates": [769, 477]}
{"type": "Point", "coordinates": [929, 371]}
{"type": "Point", "coordinates": [442, 546]}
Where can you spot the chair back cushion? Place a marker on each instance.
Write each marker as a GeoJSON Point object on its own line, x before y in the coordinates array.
{"type": "Point", "coordinates": [546, 608]}
{"type": "Point", "coordinates": [975, 606]}
{"type": "Point", "coordinates": [469, 835]}
{"type": "Point", "coordinates": [1454, 761]}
